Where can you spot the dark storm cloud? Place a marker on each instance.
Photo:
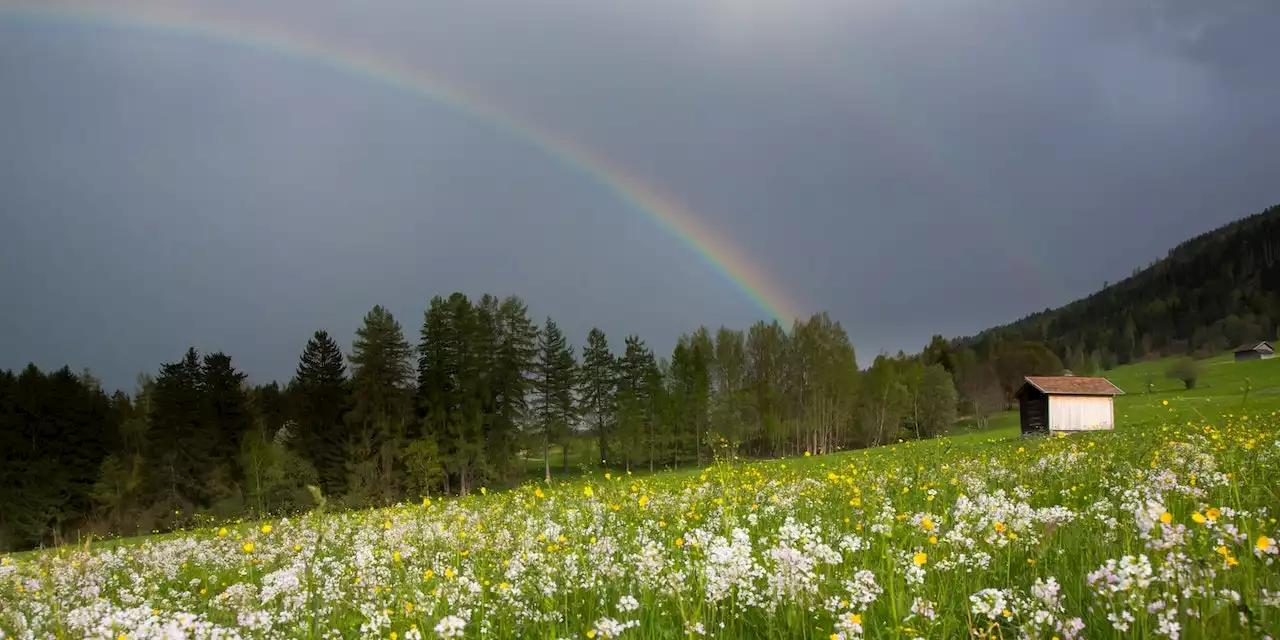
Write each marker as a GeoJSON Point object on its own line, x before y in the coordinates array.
{"type": "Point", "coordinates": [913, 168]}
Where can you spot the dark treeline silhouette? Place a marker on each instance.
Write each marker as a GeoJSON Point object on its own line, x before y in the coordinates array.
{"type": "Point", "coordinates": [1211, 293]}
{"type": "Point", "coordinates": [487, 397]}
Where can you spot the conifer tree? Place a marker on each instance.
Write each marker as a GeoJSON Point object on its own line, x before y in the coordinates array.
{"type": "Point", "coordinates": [553, 391]}
{"type": "Point", "coordinates": [380, 373]}
{"type": "Point", "coordinates": [598, 388]}
{"type": "Point", "coordinates": [321, 400]}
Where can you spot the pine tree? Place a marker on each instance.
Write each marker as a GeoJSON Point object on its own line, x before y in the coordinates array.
{"type": "Point", "coordinates": [511, 368]}
{"type": "Point", "coordinates": [458, 355]}
{"type": "Point", "coordinates": [180, 446]}
{"type": "Point", "coordinates": [553, 386]}
{"type": "Point", "coordinates": [598, 387]}
{"type": "Point", "coordinates": [380, 373]}
{"type": "Point", "coordinates": [321, 401]}
{"type": "Point", "coordinates": [477, 337]}
{"type": "Point", "coordinates": [226, 419]}
{"type": "Point", "coordinates": [55, 430]}
{"type": "Point", "coordinates": [639, 386]}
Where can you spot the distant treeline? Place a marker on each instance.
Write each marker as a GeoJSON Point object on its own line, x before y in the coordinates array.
{"type": "Point", "coordinates": [485, 389]}
{"type": "Point", "coordinates": [482, 391]}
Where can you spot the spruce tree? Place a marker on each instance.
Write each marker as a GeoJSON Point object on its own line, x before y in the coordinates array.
{"type": "Point", "coordinates": [380, 373]}
{"type": "Point", "coordinates": [320, 394]}
{"type": "Point", "coordinates": [226, 419]}
{"type": "Point", "coordinates": [180, 447]}
{"type": "Point", "coordinates": [553, 391]}
{"type": "Point", "coordinates": [598, 387]}
{"type": "Point", "coordinates": [510, 383]}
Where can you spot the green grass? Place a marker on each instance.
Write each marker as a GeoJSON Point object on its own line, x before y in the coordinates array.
{"type": "Point", "coordinates": [806, 547]}
{"type": "Point", "coordinates": [1219, 391]}
{"type": "Point", "coordinates": [858, 544]}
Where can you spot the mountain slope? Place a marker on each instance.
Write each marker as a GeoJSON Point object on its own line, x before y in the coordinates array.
{"type": "Point", "coordinates": [1208, 294]}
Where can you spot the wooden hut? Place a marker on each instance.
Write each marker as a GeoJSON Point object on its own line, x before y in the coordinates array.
{"type": "Point", "coordinates": [1255, 351]}
{"type": "Point", "coordinates": [1050, 404]}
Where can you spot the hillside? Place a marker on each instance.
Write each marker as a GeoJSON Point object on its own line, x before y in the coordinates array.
{"type": "Point", "coordinates": [1207, 295]}
{"type": "Point", "coordinates": [1129, 533]}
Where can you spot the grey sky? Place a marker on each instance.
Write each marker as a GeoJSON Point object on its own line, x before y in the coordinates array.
{"type": "Point", "coordinates": [911, 167]}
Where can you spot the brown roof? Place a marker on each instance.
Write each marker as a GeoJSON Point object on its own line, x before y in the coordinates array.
{"type": "Point", "coordinates": [1072, 385]}
{"type": "Point", "coordinates": [1263, 346]}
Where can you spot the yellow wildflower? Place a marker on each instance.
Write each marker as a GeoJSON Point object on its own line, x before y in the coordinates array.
{"type": "Point", "coordinates": [919, 559]}
{"type": "Point", "coordinates": [266, 528]}
{"type": "Point", "coordinates": [591, 633]}
{"type": "Point", "coordinates": [1265, 543]}
{"type": "Point", "coordinates": [1198, 517]}
{"type": "Point", "coordinates": [248, 547]}
{"type": "Point", "coordinates": [222, 533]}
{"type": "Point", "coordinates": [1213, 513]}
{"type": "Point", "coordinates": [586, 491]}
{"type": "Point", "coordinates": [679, 542]}
{"type": "Point", "coordinates": [927, 524]}
{"type": "Point", "coordinates": [1166, 517]}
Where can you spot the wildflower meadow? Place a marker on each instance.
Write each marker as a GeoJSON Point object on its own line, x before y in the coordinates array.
{"type": "Point", "coordinates": [1164, 529]}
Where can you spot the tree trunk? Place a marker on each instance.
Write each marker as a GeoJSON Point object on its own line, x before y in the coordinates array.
{"type": "Point", "coordinates": [697, 436]}
{"type": "Point", "coordinates": [546, 457]}
{"type": "Point", "coordinates": [600, 430]}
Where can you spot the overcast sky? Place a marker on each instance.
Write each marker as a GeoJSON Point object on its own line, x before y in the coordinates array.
{"type": "Point", "coordinates": [912, 167]}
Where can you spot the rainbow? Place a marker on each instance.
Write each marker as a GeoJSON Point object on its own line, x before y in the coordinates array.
{"type": "Point", "coordinates": [666, 212]}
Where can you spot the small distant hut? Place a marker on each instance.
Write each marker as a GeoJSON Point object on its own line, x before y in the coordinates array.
{"type": "Point", "coordinates": [1049, 404]}
{"type": "Point", "coordinates": [1255, 351]}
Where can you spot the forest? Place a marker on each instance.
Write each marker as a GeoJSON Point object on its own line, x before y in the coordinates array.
{"type": "Point", "coordinates": [1209, 294]}
{"type": "Point", "coordinates": [486, 397]}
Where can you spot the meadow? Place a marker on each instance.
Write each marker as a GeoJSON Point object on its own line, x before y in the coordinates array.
{"type": "Point", "coordinates": [1165, 527]}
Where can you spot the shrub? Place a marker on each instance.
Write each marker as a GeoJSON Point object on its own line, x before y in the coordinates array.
{"type": "Point", "coordinates": [1187, 370]}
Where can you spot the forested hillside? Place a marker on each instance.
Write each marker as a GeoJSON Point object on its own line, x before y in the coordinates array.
{"type": "Point", "coordinates": [1211, 293]}
{"type": "Point", "coordinates": [487, 395]}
